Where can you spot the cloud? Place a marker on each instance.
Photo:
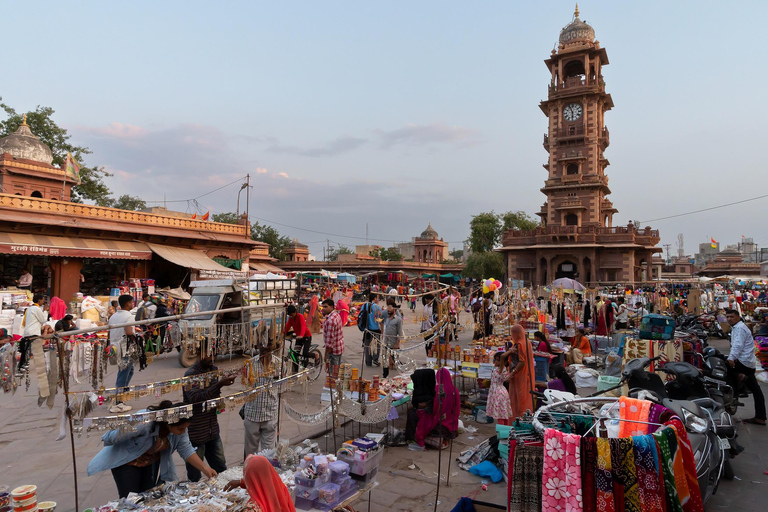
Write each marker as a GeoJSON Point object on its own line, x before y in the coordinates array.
{"type": "Point", "coordinates": [261, 170]}
{"type": "Point", "coordinates": [427, 135]}
{"type": "Point", "coordinates": [118, 131]}
{"type": "Point", "coordinates": [336, 147]}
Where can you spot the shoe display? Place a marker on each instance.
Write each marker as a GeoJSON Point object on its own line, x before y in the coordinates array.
{"type": "Point", "coordinates": [120, 408]}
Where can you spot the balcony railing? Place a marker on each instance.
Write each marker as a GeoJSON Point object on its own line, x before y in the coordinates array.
{"type": "Point", "coordinates": [576, 83]}
{"type": "Point", "coordinates": [586, 234]}
{"type": "Point", "coordinates": [573, 131]}
{"type": "Point", "coordinates": [69, 210]}
{"type": "Point", "coordinates": [570, 203]}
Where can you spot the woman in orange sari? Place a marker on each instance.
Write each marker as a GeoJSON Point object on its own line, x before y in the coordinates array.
{"type": "Point", "coordinates": [521, 378]}
{"type": "Point", "coordinates": [267, 491]}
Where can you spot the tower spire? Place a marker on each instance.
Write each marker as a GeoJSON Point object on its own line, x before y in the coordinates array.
{"type": "Point", "coordinates": [576, 12]}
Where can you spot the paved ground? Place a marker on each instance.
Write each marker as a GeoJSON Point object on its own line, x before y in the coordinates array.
{"type": "Point", "coordinates": [30, 454]}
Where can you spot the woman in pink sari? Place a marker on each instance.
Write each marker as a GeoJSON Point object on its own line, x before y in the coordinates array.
{"type": "Point", "coordinates": [444, 418]}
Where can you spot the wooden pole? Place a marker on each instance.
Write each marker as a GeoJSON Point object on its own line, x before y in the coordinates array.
{"type": "Point", "coordinates": [65, 383]}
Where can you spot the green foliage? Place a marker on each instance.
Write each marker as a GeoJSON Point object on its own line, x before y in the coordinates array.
{"type": "Point", "coordinates": [336, 251]}
{"type": "Point", "coordinates": [41, 123]}
{"type": "Point", "coordinates": [125, 202]}
{"type": "Point", "coordinates": [456, 254]}
{"type": "Point", "coordinates": [518, 220]}
{"type": "Point", "coordinates": [486, 229]}
{"type": "Point", "coordinates": [391, 254]}
{"type": "Point", "coordinates": [485, 232]}
{"type": "Point", "coordinates": [259, 232]}
{"type": "Point", "coordinates": [484, 264]}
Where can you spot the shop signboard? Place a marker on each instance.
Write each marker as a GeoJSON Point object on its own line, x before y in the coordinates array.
{"type": "Point", "coordinates": [70, 252]}
{"type": "Point", "coordinates": [220, 274]}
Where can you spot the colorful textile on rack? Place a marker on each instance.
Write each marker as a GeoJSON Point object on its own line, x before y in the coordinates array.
{"type": "Point", "coordinates": [694, 503]}
{"type": "Point", "coordinates": [654, 416]}
{"type": "Point", "coordinates": [670, 351]}
{"type": "Point", "coordinates": [635, 347]}
{"type": "Point", "coordinates": [624, 474]}
{"type": "Point", "coordinates": [665, 463]}
{"type": "Point", "coordinates": [588, 465]}
{"type": "Point", "coordinates": [648, 484]}
{"type": "Point", "coordinates": [561, 478]}
{"type": "Point", "coordinates": [603, 477]}
{"type": "Point", "coordinates": [633, 410]}
{"type": "Point", "coordinates": [526, 479]}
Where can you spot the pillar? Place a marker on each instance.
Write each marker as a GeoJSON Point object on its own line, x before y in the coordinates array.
{"type": "Point", "coordinates": [65, 278]}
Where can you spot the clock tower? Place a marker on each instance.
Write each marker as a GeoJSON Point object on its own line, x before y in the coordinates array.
{"type": "Point", "coordinates": [577, 186]}
{"type": "Point", "coordinates": [576, 237]}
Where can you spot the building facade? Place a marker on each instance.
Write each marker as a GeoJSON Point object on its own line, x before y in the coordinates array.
{"type": "Point", "coordinates": [577, 238]}
{"type": "Point", "coordinates": [429, 247]}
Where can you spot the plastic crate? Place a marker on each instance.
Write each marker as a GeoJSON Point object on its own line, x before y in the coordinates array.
{"type": "Point", "coordinates": [328, 494]}
{"type": "Point", "coordinates": [339, 471]}
{"type": "Point", "coordinates": [362, 481]}
{"type": "Point", "coordinates": [304, 504]}
{"type": "Point", "coordinates": [308, 493]}
{"type": "Point", "coordinates": [311, 483]}
{"type": "Point", "coordinates": [362, 466]}
{"type": "Point", "coordinates": [542, 368]}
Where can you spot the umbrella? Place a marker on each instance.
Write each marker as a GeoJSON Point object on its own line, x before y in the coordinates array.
{"type": "Point", "coordinates": [567, 284]}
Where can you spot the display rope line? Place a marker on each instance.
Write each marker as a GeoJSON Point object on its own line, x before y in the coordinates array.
{"type": "Point", "coordinates": [366, 412]}
{"type": "Point", "coordinates": [307, 418]}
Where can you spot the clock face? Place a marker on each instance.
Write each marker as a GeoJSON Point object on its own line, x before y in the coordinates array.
{"type": "Point", "coordinates": [572, 112]}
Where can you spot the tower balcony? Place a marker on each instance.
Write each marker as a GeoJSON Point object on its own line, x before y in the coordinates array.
{"type": "Point", "coordinates": [577, 84]}
{"type": "Point", "coordinates": [605, 138]}
{"type": "Point", "coordinates": [573, 131]}
{"type": "Point", "coordinates": [548, 235]}
{"type": "Point", "coordinates": [546, 142]}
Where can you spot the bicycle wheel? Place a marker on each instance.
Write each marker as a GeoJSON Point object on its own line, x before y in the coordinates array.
{"type": "Point", "coordinates": [315, 364]}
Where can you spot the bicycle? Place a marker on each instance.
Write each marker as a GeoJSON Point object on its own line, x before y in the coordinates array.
{"type": "Point", "coordinates": [313, 360]}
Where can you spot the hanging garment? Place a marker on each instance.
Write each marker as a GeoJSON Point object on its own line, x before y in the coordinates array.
{"type": "Point", "coordinates": [588, 466]}
{"type": "Point", "coordinates": [665, 464]}
{"type": "Point", "coordinates": [647, 463]}
{"type": "Point", "coordinates": [561, 476]}
{"type": "Point", "coordinates": [604, 477]}
{"type": "Point", "coordinates": [654, 416]}
{"type": "Point", "coordinates": [633, 409]}
{"type": "Point", "coordinates": [587, 313]}
{"type": "Point", "coordinates": [526, 479]}
{"type": "Point", "coordinates": [549, 308]}
{"type": "Point", "coordinates": [687, 464]}
{"type": "Point", "coordinates": [625, 473]}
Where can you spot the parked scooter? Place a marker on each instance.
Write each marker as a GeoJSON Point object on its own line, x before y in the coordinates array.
{"type": "Point", "coordinates": [717, 379]}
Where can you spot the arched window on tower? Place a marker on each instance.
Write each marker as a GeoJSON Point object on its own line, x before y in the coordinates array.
{"type": "Point", "coordinates": [574, 73]}
{"type": "Point", "coordinates": [572, 169]}
{"type": "Point", "coordinates": [571, 219]}
{"type": "Point", "coordinates": [37, 193]}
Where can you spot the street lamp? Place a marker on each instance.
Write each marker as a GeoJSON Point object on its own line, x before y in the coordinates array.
{"type": "Point", "coordinates": [244, 185]}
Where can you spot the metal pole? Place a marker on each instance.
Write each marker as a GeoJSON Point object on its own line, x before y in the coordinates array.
{"type": "Point", "coordinates": [450, 458]}
{"type": "Point", "coordinates": [440, 445]}
{"type": "Point", "coordinates": [65, 382]}
{"type": "Point", "coordinates": [247, 197]}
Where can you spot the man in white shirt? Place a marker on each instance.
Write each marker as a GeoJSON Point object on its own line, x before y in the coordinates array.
{"type": "Point", "coordinates": [25, 280]}
{"type": "Point", "coordinates": [742, 359]}
{"type": "Point", "coordinates": [118, 339]}
{"type": "Point", "coordinates": [34, 318]}
{"type": "Point", "coordinates": [622, 315]}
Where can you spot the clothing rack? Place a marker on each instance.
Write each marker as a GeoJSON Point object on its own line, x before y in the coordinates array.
{"type": "Point", "coordinates": [547, 409]}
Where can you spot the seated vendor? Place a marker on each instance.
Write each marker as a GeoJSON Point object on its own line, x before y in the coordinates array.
{"type": "Point", "coordinates": [542, 344]}
{"type": "Point", "coordinates": [441, 419]}
{"type": "Point", "coordinates": [267, 491]}
{"type": "Point", "coordinates": [142, 459]}
{"type": "Point", "coordinates": [581, 342]}
{"type": "Point", "coordinates": [562, 381]}
{"type": "Point", "coordinates": [5, 337]}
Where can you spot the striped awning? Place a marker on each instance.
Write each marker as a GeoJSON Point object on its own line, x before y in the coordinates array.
{"type": "Point", "coordinates": [43, 245]}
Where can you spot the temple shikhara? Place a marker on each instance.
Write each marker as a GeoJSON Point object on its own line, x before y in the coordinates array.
{"type": "Point", "coordinates": [577, 238]}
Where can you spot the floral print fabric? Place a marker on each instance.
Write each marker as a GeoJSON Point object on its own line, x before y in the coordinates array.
{"type": "Point", "coordinates": [499, 406]}
{"type": "Point", "coordinates": [561, 478]}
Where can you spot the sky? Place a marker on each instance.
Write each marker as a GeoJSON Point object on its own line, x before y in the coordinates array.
{"type": "Point", "coordinates": [395, 114]}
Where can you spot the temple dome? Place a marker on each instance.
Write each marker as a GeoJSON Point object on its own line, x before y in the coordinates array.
{"type": "Point", "coordinates": [577, 31]}
{"type": "Point", "coordinates": [429, 233]}
{"type": "Point", "coordinates": [24, 144]}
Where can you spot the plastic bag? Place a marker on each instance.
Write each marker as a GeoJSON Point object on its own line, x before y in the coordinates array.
{"type": "Point", "coordinates": [762, 376]}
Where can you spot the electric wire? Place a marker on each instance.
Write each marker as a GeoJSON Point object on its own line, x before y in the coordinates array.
{"type": "Point", "coordinates": [705, 209]}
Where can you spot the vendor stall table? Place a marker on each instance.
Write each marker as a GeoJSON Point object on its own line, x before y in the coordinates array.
{"type": "Point", "coordinates": [352, 498]}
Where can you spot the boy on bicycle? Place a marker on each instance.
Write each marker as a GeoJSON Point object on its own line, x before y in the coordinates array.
{"type": "Point", "coordinates": [298, 325]}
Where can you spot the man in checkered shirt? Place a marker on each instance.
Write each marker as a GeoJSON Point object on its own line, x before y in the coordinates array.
{"type": "Point", "coordinates": [333, 337]}
{"type": "Point", "coordinates": [260, 419]}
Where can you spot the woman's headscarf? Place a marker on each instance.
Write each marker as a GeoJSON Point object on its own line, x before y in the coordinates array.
{"type": "Point", "coordinates": [265, 487]}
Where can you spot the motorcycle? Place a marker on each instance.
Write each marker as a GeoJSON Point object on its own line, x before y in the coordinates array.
{"type": "Point", "coordinates": [716, 376]}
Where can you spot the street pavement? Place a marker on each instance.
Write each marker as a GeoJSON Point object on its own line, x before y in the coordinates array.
{"type": "Point", "coordinates": [407, 481]}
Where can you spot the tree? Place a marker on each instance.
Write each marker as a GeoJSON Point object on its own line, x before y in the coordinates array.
{"type": "Point", "coordinates": [269, 235]}
{"type": "Point", "coordinates": [125, 202]}
{"type": "Point", "coordinates": [391, 254]}
{"type": "Point", "coordinates": [485, 232]}
{"type": "Point", "coordinates": [92, 186]}
{"type": "Point", "coordinates": [518, 220]}
{"type": "Point", "coordinates": [457, 254]}
{"type": "Point", "coordinates": [335, 252]}
{"type": "Point", "coordinates": [259, 232]}
{"type": "Point", "coordinates": [484, 265]}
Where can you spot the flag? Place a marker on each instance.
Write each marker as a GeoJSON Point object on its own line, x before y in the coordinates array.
{"type": "Point", "coordinates": [72, 168]}
{"type": "Point", "coordinates": [194, 216]}
{"type": "Point", "coordinates": [206, 216]}
{"type": "Point", "coordinates": [713, 243]}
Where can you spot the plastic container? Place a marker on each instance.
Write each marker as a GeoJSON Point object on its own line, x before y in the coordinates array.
{"type": "Point", "coordinates": [346, 485]}
{"type": "Point", "coordinates": [606, 382]}
{"type": "Point", "coordinates": [24, 492]}
{"type": "Point", "coordinates": [328, 494]}
{"type": "Point", "coordinates": [542, 368]}
{"type": "Point", "coordinates": [304, 504]}
{"type": "Point", "coordinates": [311, 482]}
{"type": "Point", "coordinates": [657, 327]}
{"type": "Point", "coordinates": [308, 493]}
{"type": "Point", "coordinates": [362, 467]}
{"type": "Point", "coordinates": [46, 506]}
{"type": "Point", "coordinates": [362, 481]}
{"type": "Point", "coordinates": [339, 470]}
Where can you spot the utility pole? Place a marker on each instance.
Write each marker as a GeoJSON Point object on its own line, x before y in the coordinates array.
{"type": "Point", "coordinates": [248, 198]}
{"type": "Point", "coordinates": [667, 246]}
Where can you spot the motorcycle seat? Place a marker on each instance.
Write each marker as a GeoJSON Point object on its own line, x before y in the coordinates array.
{"type": "Point", "coordinates": [682, 369]}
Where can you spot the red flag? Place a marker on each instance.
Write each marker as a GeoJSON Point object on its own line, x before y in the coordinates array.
{"type": "Point", "coordinates": [194, 216]}
{"type": "Point", "coordinates": [206, 216]}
